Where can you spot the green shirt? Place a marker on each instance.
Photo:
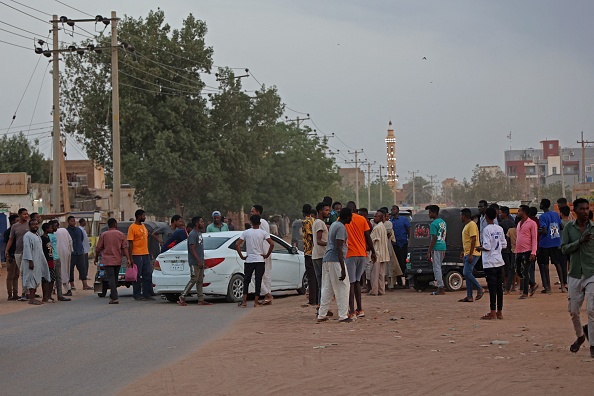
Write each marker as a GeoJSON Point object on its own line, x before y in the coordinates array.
{"type": "Point", "coordinates": [581, 254]}
{"type": "Point", "coordinates": [213, 228]}
{"type": "Point", "coordinates": [438, 229]}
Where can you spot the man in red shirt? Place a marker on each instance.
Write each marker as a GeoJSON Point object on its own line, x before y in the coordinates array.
{"type": "Point", "coordinates": [359, 242]}
{"type": "Point", "coordinates": [526, 245]}
{"type": "Point", "coordinates": [113, 246]}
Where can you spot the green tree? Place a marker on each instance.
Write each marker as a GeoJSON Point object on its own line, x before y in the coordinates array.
{"type": "Point", "coordinates": [17, 154]}
{"type": "Point", "coordinates": [487, 185]}
{"type": "Point", "coordinates": [423, 191]}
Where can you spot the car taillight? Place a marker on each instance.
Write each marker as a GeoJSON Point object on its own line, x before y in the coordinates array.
{"type": "Point", "coordinates": [157, 266]}
{"type": "Point", "coordinates": [212, 262]}
{"type": "Point", "coordinates": [205, 284]}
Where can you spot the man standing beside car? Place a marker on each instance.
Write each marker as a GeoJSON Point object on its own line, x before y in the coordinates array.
{"type": "Point", "coordinates": [267, 277]}
{"type": "Point", "coordinates": [166, 231]}
{"type": "Point", "coordinates": [138, 248]}
{"type": "Point", "coordinates": [113, 247]}
{"type": "Point", "coordinates": [437, 247]}
{"type": "Point", "coordinates": [196, 262]}
{"type": "Point", "coordinates": [401, 227]}
{"type": "Point", "coordinates": [217, 224]}
{"type": "Point", "coordinates": [77, 259]}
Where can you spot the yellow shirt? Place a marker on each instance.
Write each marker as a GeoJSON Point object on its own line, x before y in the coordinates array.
{"type": "Point", "coordinates": [470, 230]}
{"type": "Point", "coordinates": [138, 234]}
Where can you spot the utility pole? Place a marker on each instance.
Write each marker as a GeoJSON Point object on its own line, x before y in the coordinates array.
{"type": "Point", "coordinates": [356, 162]}
{"type": "Point", "coordinates": [115, 100]}
{"type": "Point", "coordinates": [299, 120]}
{"type": "Point", "coordinates": [65, 194]}
{"type": "Point", "coordinates": [584, 142]}
{"type": "Point", "coordinates": [380, 185]}
{"type": "Point", "coordinates": [369, 184]}
{"type": "Point", "coordinates": [433, 197]}
{"type": "Point", "coordinates": [414, 173]}
{"type": "Point", "coordinates": [56, 144]}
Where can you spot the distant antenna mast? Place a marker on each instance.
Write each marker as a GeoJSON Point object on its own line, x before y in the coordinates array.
{"type": "Point", "coordinates": [509, 136]}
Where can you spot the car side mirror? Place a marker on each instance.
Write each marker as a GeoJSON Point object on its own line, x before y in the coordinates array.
{"type": "Point", "coordinates": [294, 250]}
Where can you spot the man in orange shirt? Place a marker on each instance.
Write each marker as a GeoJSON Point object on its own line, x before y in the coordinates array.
{"type": "Point", "coordinates": [359, 237]}
{"type": "Point", "coordinates": [138, 246]}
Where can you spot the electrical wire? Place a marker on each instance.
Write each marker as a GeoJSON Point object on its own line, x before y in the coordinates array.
{"type": "Point", "coordinates": [162, 78]}
{"type": "Point", "coordinates": [24, 30]}
{"type": "Point", "coordinates": [254, 77]}
{"type": "Point", "coordinates": [25, 126]}
{"type": "Point", "coordinates": [294, 111]}
{"type": "Point", "coordinates": [31, 8]}
{"type": "Point", "coordinates": [15, 45]}
{"type": "Point", "coordinates": [38, 95]}
{"type": "Point", "coordinates": [158, 85]}
{"type": "Point", "coordinates": [18, 34]}
{"type": "Point", "coordinates": [75, 9]}
{"type": "Point", "coordinates": [23, 12]}
{"type": "Point", "coordinates": [74, 143]}
{"type": "Point", "coordinates": [22, 96]}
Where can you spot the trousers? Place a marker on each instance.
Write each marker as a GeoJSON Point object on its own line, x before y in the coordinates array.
{"type": "Point", "coordinates": [113, 273]}
{"type": "Point", "coordinates": [312, 281]}
{"type": "Point", "coordinates": [495, 284]}
{"type": "Point", "coordinates": [12, 277]}
{"type": "Point", "coordinates": [249, 269]}
{"type": "Point", "coordinates": [378, 278]}
{"type": "Point", "coordinates": [196, 278]}
{"type": "Point", "coordinates": [578, 291]}
{"type": "Point", "coordinates": [332, 286]}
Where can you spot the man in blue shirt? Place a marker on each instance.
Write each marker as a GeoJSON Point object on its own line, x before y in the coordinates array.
{"type": "Point", "coordinates": [179, 235]}
{"type": "Point", "coordinates": [77, 259]}
{"type": "Point", "coordinates": [401, 227]}
{"type": "Point", "coordinates": [548, 246]}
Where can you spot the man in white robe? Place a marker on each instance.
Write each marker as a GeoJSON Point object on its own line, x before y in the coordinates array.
{"type": "Point", "coordinates": [34, 264]}
{"type": "Point", "coordinates": [64, 241]}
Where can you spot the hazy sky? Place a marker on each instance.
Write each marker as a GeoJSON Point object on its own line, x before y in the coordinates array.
{"type": "Point", "coordinates": [491, 68]}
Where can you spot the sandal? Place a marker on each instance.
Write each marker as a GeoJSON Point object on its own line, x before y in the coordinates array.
{"type": "Point", "coordinates": [88, 288]}
{"type": "Point", "coordinates": [466, 299]}
{"type": "Point", "coordinates": [488, 316]}
{"type": "Point", "coordinates": [266, 302]}
{"type": "Point", "coordinates": [182, 302]}
{"type": "Point", "coordinates": [114, 301]}
{"type": "Point", "coordinates": [241, 304]}
{"type": "Point", "coordinates": [577, 344]}
{"type": "Point", "coordinates": [480, 295]}
{"type": "Point", "coordinates": [534, 289]}
{"type": "Point", "coordinates": [35, 302]}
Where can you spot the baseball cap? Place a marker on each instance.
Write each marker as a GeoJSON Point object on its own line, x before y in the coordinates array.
{"type": "Point", "coordinates": [216, 213]}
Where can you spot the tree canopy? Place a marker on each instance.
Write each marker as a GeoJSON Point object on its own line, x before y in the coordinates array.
{"type": "Point", "coordinates": [18, 154]}
{"type": "Point", "coordinates": [188, 147]}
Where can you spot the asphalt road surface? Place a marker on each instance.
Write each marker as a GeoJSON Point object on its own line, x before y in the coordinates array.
{"type": "Point", "coordinates": [86, 346]}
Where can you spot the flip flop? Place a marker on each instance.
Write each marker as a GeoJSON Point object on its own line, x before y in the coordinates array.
{"type": "Point", "coordinates": [266, 302]}
{"type": "Point", "coordinates": [466, 299]}
{"type": "Point", "coordinates": [577, 344]}
{"type": "Point", "coordinates": [479, 295]}
{"type": "Point", "coordinates": [488, 316]}
{"type": "Point", "coordinates": [204, 303]}
{"type": "Point", "coordinates": [35, 302]}
{"type": "Point", "coordinates": [114, 301]}
{"type": "Point", "coordinates": [241, 304]}
{"type": "Point", "coordinates": [181, 302]}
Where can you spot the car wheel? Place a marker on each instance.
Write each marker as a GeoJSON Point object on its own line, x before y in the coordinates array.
{"type": "Point", "coordinates": [235, 289]}
{"type": "Point", "coordinates": [453, 281]}
{"type": "Point", "coordinates": [172, 297]}
{"type": "Point", "coordinates": [104, 287]}
{"type": "Point", "coordinates": [304, 285]}
{"type": "Point", "coordinates": [420, 285]}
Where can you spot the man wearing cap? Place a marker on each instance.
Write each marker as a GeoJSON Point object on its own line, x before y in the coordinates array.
{"type": "Point", "coordinates": [217, 224]}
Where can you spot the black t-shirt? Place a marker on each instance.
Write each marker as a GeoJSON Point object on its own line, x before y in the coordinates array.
{"type": "Point", "coordinates": [506, 225]}
{"type": "Point", "coordinates": [47, 248]}
{"type": "Point", "coordinates": [6, 238]}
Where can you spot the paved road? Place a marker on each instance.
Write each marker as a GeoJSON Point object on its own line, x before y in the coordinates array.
{"type": "Point", "coordinates": [89, 347]}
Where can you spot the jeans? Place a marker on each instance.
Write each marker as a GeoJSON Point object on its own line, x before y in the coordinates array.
{"type": "Point", "coordinates": [249, 269]}
{"type": "Point", "coordinates": [312, 281]}
{"type": "Point", "coordinates": [145, 277]}
{"type": "Point", "coordinates": [526, 266]}
{"type": "Point", "coordinates": [495, 283]}
{"type": "Point", "coordinates": [437, 257]}
{"type": "Point", "coordinates": [113, 273]}
{"type": "Point", "coordinates": [471, 281]}
{"type": "Point", "coordinates": [580, 290]}
{"type": "Point", "coordinates": [58, 271]}
{"type": "Point", "coordinates": [510, 269]}
{"type": "Point", "coordinates": [317, 264]}
{"type": "Point", "coordinates": [196, 278]}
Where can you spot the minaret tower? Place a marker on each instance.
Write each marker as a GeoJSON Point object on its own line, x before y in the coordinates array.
{"type": "Point", "coordinates": [391, 152]}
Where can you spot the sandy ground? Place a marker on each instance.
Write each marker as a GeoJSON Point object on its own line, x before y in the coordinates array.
{"type": "Point", "coordinates": [409, 343]}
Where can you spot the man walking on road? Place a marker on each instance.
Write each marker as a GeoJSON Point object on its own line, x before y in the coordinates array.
{"type": "Point", "coordinates": [437, 247]}
{"type": "Point", "coordinates": [138, 248]}
{"type": "Point", "coordinates": [335, 279]}
{"type": "Point", "coordinates": [17, 232]}
{"type": "Point", "coordinates": [196, 262]}
{"type": "Point", "coordinates": [359, 242]}
{"type": "Point", "coordinates": [254, 238]}
{"type": "Point", "coordinates": [113, 247]}
{"type": "Point", "coordinates": [78, 255]}
{"type": "Point", "coordinates": [34, 265]}
{"type": "Point", "coordinates": [267, 277]}
{"type": "Point", "coordinates": [307, 234]}
{"type": "Point", "coordinates": [12, 271]}
{"type": "Point", "coordinates": [548, 246]}
{"type": "Point", "coordinates": [578, 244]}
{"type": "Point", "coordinates": [493, 242]}
{"type": "Point", "coordinates": [401, 227]}
{"type": "Point", "coordinates": [526, 245]}
{"type": "Point", "coordinates": [470, 241]}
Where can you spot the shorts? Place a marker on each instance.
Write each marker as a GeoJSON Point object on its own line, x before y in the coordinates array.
{"type": "Point", "coordinates": [543, 255]}
{"type": "Point", "coordinates": [355, 267]}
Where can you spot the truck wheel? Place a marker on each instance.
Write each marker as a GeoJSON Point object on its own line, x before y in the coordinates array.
{"type": "Point", "coordinates": [420, 285]}
{"type": "Point", "coordinates": [235, 289]}
{"type": "Point", "coordinates": [453, 281]}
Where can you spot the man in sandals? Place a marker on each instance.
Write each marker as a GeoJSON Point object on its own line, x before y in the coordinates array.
{"type": "Point", "coordinates": [493, 242]}
{"type": "Point", "coordinates": [112, 246]}
{"type": "Point", "coordinates": [34, 264]}
{"type": "Point", "coordinates": [526, 246]}
{"type": "Point", "coordinates": [470, 241]}
{"type": "Point", "coordinates": [437, 247]}
{"type": "Point", "coordinates": [578, 244]}
{"type": "Point", "coordinates": [196, 262]}
{"type": "Point", "coordinates": [254, 238]}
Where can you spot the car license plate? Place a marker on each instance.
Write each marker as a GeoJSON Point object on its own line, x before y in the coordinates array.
{"type": "Point", "coordinates": [177, 267]}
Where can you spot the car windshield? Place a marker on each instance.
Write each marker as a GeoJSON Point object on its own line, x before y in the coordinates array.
{"type": "Point", "coordinates": [210, 243]}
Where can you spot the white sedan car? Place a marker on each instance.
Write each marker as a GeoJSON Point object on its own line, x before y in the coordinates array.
{"type": "Point", "coordinates": [223, 275]}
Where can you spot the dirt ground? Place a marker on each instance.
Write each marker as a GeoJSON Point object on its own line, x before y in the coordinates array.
{"type": "Point", "coordinates": [408, 343]}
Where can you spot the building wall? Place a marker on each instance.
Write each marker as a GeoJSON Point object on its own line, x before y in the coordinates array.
{"type": "Point", "coordinates": [348, 177]}
{"type": "Point", "coordinates": [37, 200]}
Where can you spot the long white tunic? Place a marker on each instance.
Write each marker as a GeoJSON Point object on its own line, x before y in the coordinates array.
{"type": "Point", "coordinates": [64, 244]}
{"type": "Point", "coordinates": [33, 251]}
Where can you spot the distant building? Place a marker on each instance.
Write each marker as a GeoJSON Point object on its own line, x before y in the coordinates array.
{"type": "Point", "coordinates": [447, 189]}
{"type": "Point", "coordinates": [349, 177]}
{"type": "Point", "coordinates": [548, 165]}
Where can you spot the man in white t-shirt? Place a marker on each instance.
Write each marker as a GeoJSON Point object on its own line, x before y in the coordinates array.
{"type": "Point", "coordinates": [493, 241]}
{"type": "Point", "coordinates": [267, 278]}
{"type": "Point", "coordinates": [254, 238]}
{"type": "Point", "coordinates": [320, 240]}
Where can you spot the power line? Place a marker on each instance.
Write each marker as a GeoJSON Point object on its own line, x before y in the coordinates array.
{"type": "Point", "coordinates": [162, 78]}
{"type": "Point", "coordinates": [15, 45]}
{"type": "Point", "coordinates": [254, 77]}
{"type": "Point", "coordinates": [22, 96]}
{"type": "Point", "coordinates": [17, 34]}
{"type": "Point", "coordinates": [24, 30]}
{"type": "Point", "coordinates": [294, 111]}
{"type": "Point", "coordinates": [38, 95]}
{"type": "Point", "coordinates": [31, 8]}
{"type": "Point", "coordinates": [23, 12]}
{"type": "Point", "coordinates": [158, 85]}
{"type": "Point", "coordinates": [25, 126]}
{"type": "Point", "coordinates": [45, 129]}
{"type": "Point", "coordinates": [75, 9]}
{"type": "Point", "coordinates": [154, 92]}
